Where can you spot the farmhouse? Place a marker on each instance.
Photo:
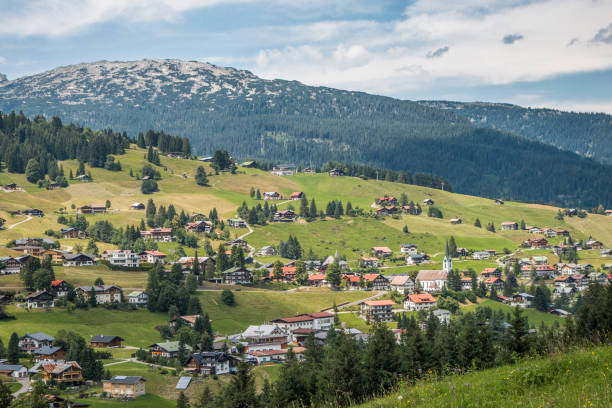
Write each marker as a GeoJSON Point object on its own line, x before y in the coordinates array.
{"type": "Point", "coordinates": [264, 337]}
{"type": "Point", "coordinates": [419, 301]}
{"type": "Point", "coordinates": [102, 341]}
{"type": "Point", "coordinates": [59, 288]}
{"type": "Point", "coordinates": [104, 293]}
{"type": "Point", "coordinates": [336, 172]}
{"type": "Point", "coordinates": [199, 227]}
{"type": "Point", "coordinates": [266, 357]}
{"type": "Point", "coordinates": [428, 201]}
{"type": "Point", "coordinates": [72, 233]}
{"type": "Point", "coordinates": [158, 234]}
{"type": "Point", "coordinates": [40, 299]}
{"type": "Point", "coordinates": [481, 255]}
{"type": "Point", "coordinates": [521, 300]}
{"type": "Point", "coordinates": [432, 280]}
{"type": "Point", "coordinates": [455, 221]}
{"type": "Point", "coordinates": [137, 206]}
{"type": "Point", "coordinates": [366, 262]}
{"type": "Point", "coordinates": [267, 251]}
{"type": "Point", "coordinates": [124, 386]}
{"type": "Point", "coordinates": [34, 212]}
{"type": "Point", "coordinates": [509, 226]}
{"type": "Point", "coordinates": [272, 195]}
{"type": "Point", "coordinates": [376, 281]}
{"type": "Point", "coordinates": [211, 363]}
{"type": "Point", "coordinates": [186, 320]}
{"type": "Point", "coordinates": [494, 283]}
{"type": "Point", "coordinates": [386, 200]}
{"type": "Point", "coordinates": [68, 372]}
{"type": "Point", "coordinates": [491, 272]}
{"type": "Point", "coordinates": [297, 195]}
{"type": "Point", "coordinates": [316, 279]}
{"type": "Point", "coordinates": [13, 370]}
{"type": "Point", "coordinates": [410, 249]}
{"type": "Point", "coordinates": [284, 216]}
{"type": "Point", "coordinates": [592, 244]}
{"type": "Point", "coordinates": [10, 265]}
{"type": "Point", "coordinates": [283, 169]}
{"type": "Point", "coordinates": [537, 243]}
{"type": "Point", "coordinates": [92, 209]}
{"type": "Point", "coordinates": [388, 210]}
{"type": "Point", "coordinates": [377, 310]}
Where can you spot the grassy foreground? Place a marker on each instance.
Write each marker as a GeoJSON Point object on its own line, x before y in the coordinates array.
{"type": "Point", "coordinates": [577, 379]}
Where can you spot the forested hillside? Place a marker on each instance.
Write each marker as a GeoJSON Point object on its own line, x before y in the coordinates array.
{"type": "Point", "coordinates": [588, 134]}
{"type": "Point", "coordinates": [276, 120]}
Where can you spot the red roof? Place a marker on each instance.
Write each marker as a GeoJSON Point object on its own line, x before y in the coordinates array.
{"type": "Point", "coordinates": [489, 270]}
{"type": "Point", "coordinates": [319, 315]}
{"type": "Point", "coordinates": [56, 282]}
{"type": "Point", "coordinates": [295, 319]}
{"type": "Point", "coordinates": [351, 278]}
{"type": "Point", "coordinates": [421, 298]}
{"type": "Point", "coordinates": [382, 249]}
{"type": "Point", "coordinates": [492, 279]}
{"type": "Point", "coordinates": [380, 303]}
{"type": "Point", "coordinates": [316, 276]}
{"type": "Point", "coordinates": [369, 259]}
{"type": "Point", "coordinates": [296, 194]}
{"type": "Point", "coordinates": [561, 278]}
{"type": "Point", "coordinates": [289, 269]}
{"type": "Point", "coordinates": [155, 253]}
{"type": "Point", "coordinates": [371, 276]}
{"type": "Point", "coordinates": [538, 268]}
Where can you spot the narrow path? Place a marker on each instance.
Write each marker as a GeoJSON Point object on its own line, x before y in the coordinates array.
{"type": "Point", "coordinates": [28, 218]}
{"type": "Point", "coordinates": [25, 384]}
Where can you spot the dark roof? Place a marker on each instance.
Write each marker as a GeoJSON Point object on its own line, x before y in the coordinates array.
{"type": "Point", "coordinates": [39, 336]}
{"type": "Point", "coordinates": [47, 350]}
{"type": "Point", "coordinates": [70, 257]}
{"type": "Point", "coordinates": [125, 379]}
{"type": "Point", "coordinates": [209, 357]}
{"type": "Point", "coordinates": [104, 339]}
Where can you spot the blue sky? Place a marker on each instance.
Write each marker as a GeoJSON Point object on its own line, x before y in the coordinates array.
{"type": "Point", "coordinates": [533, 53]}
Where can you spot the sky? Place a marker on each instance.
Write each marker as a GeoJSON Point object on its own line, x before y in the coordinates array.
{"type": "Point", "coordinates": [528, 52]}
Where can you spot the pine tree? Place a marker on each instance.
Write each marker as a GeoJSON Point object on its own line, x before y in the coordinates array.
{"type": "Point", "coordinates": [517, 340]}
{"type": "Point", "coordinates": [5, 396]}
{"type": "Point", "coordinates": [200, 177]}
{"type": "Point", "coordinates": [304, 207]}
{"type": "Point", "coordinates": [33, 172]}
{"type": "Point", "coordinates": [333, 276]}
{"type": "Point", "coordinates": [312, 212]}
{"type": "Point", "coordinates": [182, 401]}
{"type": "Point", "coordinates": [258, 195]}
{"type": "Point", "coordinates": [240, 392]}
{"type": "Point", "coordinates": [13, 349]}
{"type": "Point", "coordinates": [452, 247]}
{"type": "Point", "coordinates": [477, 223]}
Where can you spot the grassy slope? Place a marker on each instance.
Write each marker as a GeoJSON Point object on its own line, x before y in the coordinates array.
{"type": "Point", "coordinates": [257, 307]}
{"type": "Point", "coordinates": [535, 317]}
{"type": "Point", "coordinates": [579, 379]}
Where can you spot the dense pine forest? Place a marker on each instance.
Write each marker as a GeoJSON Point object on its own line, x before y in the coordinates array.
{"type": "Point", "coordinates": [588, 134]}
{"type": "Point", "coordinates": [286, 121]}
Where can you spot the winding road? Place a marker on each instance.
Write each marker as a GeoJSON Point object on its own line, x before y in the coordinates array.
{"type": "Point", "coordinates": [28, 218]}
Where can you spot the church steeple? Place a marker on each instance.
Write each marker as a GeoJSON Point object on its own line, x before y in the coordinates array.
{"type": "Point", "coordinates": [447, 263]}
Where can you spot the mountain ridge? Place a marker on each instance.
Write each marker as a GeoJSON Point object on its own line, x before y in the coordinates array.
{"type": "Point", "coordinates": [280, 120]}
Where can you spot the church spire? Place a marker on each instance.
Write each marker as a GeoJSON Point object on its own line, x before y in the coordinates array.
{"type": "Point", "coordinates": [447, 253]}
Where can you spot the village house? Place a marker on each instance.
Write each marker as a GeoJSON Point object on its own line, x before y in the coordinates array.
{"type": "Point", "coordinates": [593, 244]}
{"type": "Point", "coordinates": [272, 195]}
{"type": "Point", "coordinates": [104, 293]}
{"type": "Point", "coordinates": [431, 280]}
{"type": "Point", "coordinates": [537, 243]}
{"type": "Point", "coordinates": [68, 372]}
{"type": "Point", "coordinates": [481, 255]}
{"type": "Point", "coordinates": [382, 252]}
{"type": "Point", "coordinates": [78, 260]}
{"type": "Point", "coordinates": [13, 371]}
{"type": "Point", "coordinates": [137, 206]}
{"type": "Point", "coordinates": [336, 172]}
{"type": "Point", "coordinates": [237, 276]}
{"type": "Point", "coordinates": [409, 249]}
{"type": "Point", "coordinates": [314, 321]}
{"type": "Point", "coordinates": [389, 210]}
{"type": "Point", "coordinates": [211, 363]}
{"type": "Point", "coordinates": [32, 342]}
{"type": "Point", "coordinates": [564, 281]}
{"type": "Point", "coordinates": [187, 262]}
{"type": "Point", "coordinates": [158, 234]}
{"type": "Point", "coordinates": [49, 353]}
{"type": "Point", "coordinates": [124, 386]}
{"type": "Point", "coordinates": [103, 341]}
{"type": "Point", "coordinates": [264, 337]}
{"type": "Point", "coordinates": [121, 257]}
{"type": "Point", "coordinates": [284, 216]}
{"type": "Point", "coordinates": [522, 300]}
{"type": "Point", "coordinates": [267, 251]}
{"type": "Point", "coordinates": [419, 301]}
{"type": "Point", "coordinates": [539, 260]}
{"type": "Point", "coordinates": [428, 201]}
{"type": "Point", "coordinates": [10, 265]}
{"type": "Point", "coordinates": [92, 209]}
{"type": "Point", "coordinates": [186, 320]}
{"type": "Point", "coordinates": [284, 169]}
{"type": "Point", "coordinates": [494, 283]}
{"type": "Point", "coordinates": [31, 250]}
{"type": "Point", "coordinates": [138, 298]}
{"type": "Point", "coordinates": [316, 279]}
{"type": "Point", "coordinates": [57, 256]}
{"type": "Point", "coordinates": [509, 226]}
{"type": "Point", "coordinates": [59, 288]}
{"type": "Point", "coordinates": [34, 212]}
{"type": "Point", "coordinates": [267, 357]}
{"type": "Point", "coordinates": [499, 201]}
{"type": "Point", "coordinates": [297, 195]}
{"type": "Point", "coordinates": [40, 299]}
{"type": "Point", "coordinates": [386, 200]}
{"type": "Point", "coordinates": [366, 262]}
{"type": "Point", "coordinates": [402, 284]}
{"type": "Point", "coordinates": [466, 283]}
{"type": "Point", "coordinates": [200, 227]}
{"type": "Point", "coordinates": [168, 349]}
{"type": "Point", "coordinates": [236, 223]}
{"type": "Point", "coordinates": [559, 291]}
{"type": "Point", "coordinates": [72, 233]}
{"type": "Point", "coordinates": [416, 259]}
{"type": "Point", "coordinates": [491, 272]}
{"type": "Point", "coordinates": [443, 315]}
{"type": "Point", "coordinates": [151, 257]}
{"type": "Point", "coordinates": [455, 221]}
{"type": "Point", "coordinates": [377, 310]}
{"type": "Point", "coordinates": [542, 271]}
{"type": "Point", "coordinates": [376, 281]}
{"type": "Point", "coordinates": [353, 282]}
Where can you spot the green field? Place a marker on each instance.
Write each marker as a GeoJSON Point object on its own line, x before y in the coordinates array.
{"type": "Point", "coordinates": [258, 307]}
{"type": "Point", "coordinates": [137, 328]}
{"type": "Point", "coordinates": [146, 401]}
{"type": "Point", "coordinates": [578, 379]}
{"type": "Point", "coordinates": [536, 318]}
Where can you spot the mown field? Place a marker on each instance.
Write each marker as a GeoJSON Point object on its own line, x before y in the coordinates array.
{"type": "Point", "coordinates": [536, 318]}
{"type": "Point", "coordinates": [578, 379]}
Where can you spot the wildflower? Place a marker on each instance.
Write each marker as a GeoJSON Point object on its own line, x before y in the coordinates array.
{"type": "Point", "coordinates": [399, 398]}
{"type": "Point", "coordinates": [467, 384]}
